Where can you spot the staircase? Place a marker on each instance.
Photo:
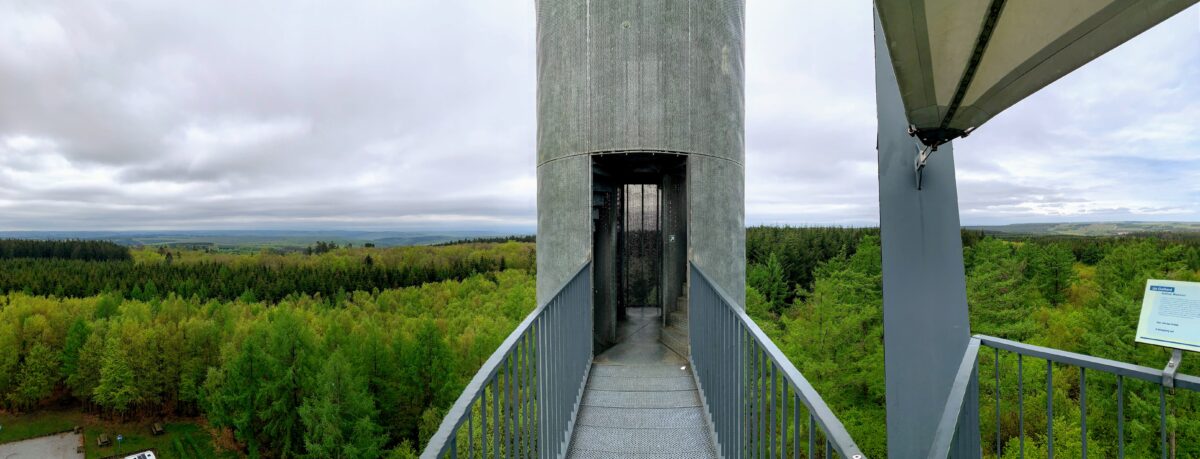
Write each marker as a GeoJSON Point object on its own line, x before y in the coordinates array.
{"type": "Point", "coordinates": [675, 336]}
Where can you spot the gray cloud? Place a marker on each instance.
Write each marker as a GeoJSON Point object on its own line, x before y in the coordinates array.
{"type": "Point", "coordinates": [421, 115]}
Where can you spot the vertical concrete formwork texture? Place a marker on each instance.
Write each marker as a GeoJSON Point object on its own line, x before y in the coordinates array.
{"type": "Point", "coordinates": [637, 77]}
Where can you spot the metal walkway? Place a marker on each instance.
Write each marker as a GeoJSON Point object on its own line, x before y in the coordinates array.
{"type": "Point", "coordinates": [641, 400]}
{"type": "Point", "coordinates": [544, 393]}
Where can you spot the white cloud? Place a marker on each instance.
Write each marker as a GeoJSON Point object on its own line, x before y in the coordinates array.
{"type": "Point", "coordinates": [421, 114]}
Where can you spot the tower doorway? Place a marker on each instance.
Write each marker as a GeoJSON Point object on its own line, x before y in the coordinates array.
{"type": "Point", "coordinates": [639, 240]}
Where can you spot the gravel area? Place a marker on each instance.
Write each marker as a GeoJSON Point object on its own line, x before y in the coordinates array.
{"type": "Point", "coordinates": [52, 446]}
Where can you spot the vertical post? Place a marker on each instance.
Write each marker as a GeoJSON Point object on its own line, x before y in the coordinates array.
{"type": "Point", "coordinates": [925, 323]}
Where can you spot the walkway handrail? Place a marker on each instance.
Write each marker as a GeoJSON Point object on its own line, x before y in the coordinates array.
{"type": "Point", "coordinates": [534, 381]}
{"type": "Point", "coordinates": [948, 425]}
{"type": "Point", "coordinates": [956, 411]}
{"type": "Point", "coordinates": [1115, 367]}
{"type": "Point", "coordinates": [739, 366]}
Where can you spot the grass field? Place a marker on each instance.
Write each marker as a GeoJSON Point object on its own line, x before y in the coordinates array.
{"type": "Point", "coordinates": [182, 439]}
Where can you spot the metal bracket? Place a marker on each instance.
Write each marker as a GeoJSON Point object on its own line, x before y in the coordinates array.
{"type": "Point", "coordinates": [1168, 377]}
{"type": "Point", "coordinates": [931, 138]}
{"type": "Point", "coordinates": [919, 163]}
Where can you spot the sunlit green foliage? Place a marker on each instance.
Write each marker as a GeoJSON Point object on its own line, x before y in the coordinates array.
{"type": "Point", "coordinates": [355, 374]}
{"type": "Point", "coordinates": [1035, 291]}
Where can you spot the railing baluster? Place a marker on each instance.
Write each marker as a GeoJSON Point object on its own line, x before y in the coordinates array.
{"type": "Point", "coordinates": [471, 431]}
{"type": "Point", "coordinates": [771, 407]}
{"type": "Point", "coordinates": [1021, 403]}
{"type": "Point", "coordinates": [747, 383]}
{"type": "Point", "coordinates": [543, 421]}
{"type": "Point", "coordinates": [1049, 409]}
{"type": "Point", "coordinates": [743, 348]}
{"type": "Point", "coordinates": [527, 378]}
{"type": "Point", "coordinates": [796, 428]}
{"type": "Point", "coordinates": [1120, 416]}
{"type": "Point", "coordinates": [812, 437]}
{"type": "Point", "coordinates": [783, 424]}
{"type": "Point", "coordinates": [1162, 418]}
{"type": "Point", "coordinates": [730, 386]}
{"type": "Point", "coordinates": [762, 401]}
{"type": "Point", "coordinates": [742, 406]}
{"type": "Point", "coordinates": [996, 395]}
{"type": "Point", "coordinates": [483, 427]}
{"type": "Point", "coordinates": [530, 381]}
{"type": "Point", "coordinates": [1085, 363]}
{"type": "Point", "coordinates": [508, 409]}
{"type": "Point", "coordinates": [1083, 410]}
{"type": "Point", "coordinates": [753, 414]}
{"type": "Point", "coordinates": [554, 384]}
{"type": "Point", "coordinates": [496, 414]}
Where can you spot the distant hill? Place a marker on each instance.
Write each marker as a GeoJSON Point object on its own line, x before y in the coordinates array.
{"type": "Point", "coordinates": [1090, 229]}
{"type": "Point", "coordinates": [253, 240]}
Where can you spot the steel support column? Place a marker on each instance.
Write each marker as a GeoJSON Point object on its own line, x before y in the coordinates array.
{"type": "Point", "coordinates": [926, 329]}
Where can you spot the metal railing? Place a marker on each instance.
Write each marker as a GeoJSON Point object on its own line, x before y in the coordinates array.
{"type": "Point", "coordinates": [968, 379]}
{"type": "Point", "coordinates": [757, 403]}
{"type": "Point", "coordinates": [523, 401]}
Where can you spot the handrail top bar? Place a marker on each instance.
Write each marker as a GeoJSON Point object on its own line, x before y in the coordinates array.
{"type": "Point", "coordinates": [455, 416]}
{"type": "Point", "coordinates": [944, 435]}
{"type": "Point", "coordinates": [834, 430]}
{"type": "Point", "coordinates": [1153, 375]}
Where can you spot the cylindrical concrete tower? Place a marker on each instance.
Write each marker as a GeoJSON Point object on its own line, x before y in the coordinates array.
{"type": "Point", "coordinates": [641, 91]}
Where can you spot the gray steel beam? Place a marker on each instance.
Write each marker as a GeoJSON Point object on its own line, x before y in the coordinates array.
{"type": "Point", "coordinates": [926, 329]}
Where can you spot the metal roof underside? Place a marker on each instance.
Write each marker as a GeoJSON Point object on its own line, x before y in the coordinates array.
{"type": "Point", "coordinates": [961, 62]}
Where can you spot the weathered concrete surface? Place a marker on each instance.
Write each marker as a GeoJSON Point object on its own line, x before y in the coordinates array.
{"type": "Point", "coordinates": [51, 446]}
{"type": "Point", "coordinates": [564, 239]}
{"type": "Point", "coordinates": [643, 75]}
{"type": "Point", "coordinates": [717, 234]}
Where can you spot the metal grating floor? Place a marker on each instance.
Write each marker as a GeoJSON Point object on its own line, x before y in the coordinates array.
{"type": "Point", "coordinates": [641, 400]}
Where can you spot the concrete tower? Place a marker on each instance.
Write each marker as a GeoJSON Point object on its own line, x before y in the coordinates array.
{"type": "Point", "coordinates": [640, 143]}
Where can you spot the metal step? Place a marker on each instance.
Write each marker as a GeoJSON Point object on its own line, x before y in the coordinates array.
{"type": "Point", "coordinates": [621, 399]}
{"type": "Point", "coordinates": [641, 384]}
{"type": "Point", "coordinates": [641, 401]}
{"type": "Point", "coordinates": [640, 371]}
{"type": "Point", "coordinates": [676, 339]}
{"type": "Point", "coordinates": [593, 441]}
{"type": "Point", "coordinates": [678, 319]}
{"type": "Point", "coordinates": [641, 418]}
{"type": "Point", "coordinates": [586, 454]}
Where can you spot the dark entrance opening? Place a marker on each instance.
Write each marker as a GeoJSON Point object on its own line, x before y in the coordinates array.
{"type": "Point", "coordinates": [639, 238]}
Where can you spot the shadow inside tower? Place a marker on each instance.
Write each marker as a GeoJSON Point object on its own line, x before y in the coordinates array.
{"type": "Point", "coordinates": [639, 241]}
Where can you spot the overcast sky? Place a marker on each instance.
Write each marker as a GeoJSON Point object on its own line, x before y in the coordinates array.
{"type": "Point", "coordinates": [420, 114]}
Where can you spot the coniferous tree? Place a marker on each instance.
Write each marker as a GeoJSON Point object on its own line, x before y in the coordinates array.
{"type": "Point", "coordinates": [770, 281]}
{"type": "Point", "coordinates": [236, 390]}
{"type": "Point", "coordinates": [76, 337]}
{"type": "Point", "coordinates": [1052, 269]}
{"type": "Point", "coordinates": [37, 378]}
{"type": "Point", "coordinates": [339, 417]}
{"type": "Point", "coordinates": [424, 366]}
{"type": "Point", "coordinates": [999, 298]}
{"type": "Point", "coordinates": [291, 366]}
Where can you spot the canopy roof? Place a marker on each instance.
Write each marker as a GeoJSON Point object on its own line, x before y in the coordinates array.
{"type": "Point", "coordinates": [961, 62]}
